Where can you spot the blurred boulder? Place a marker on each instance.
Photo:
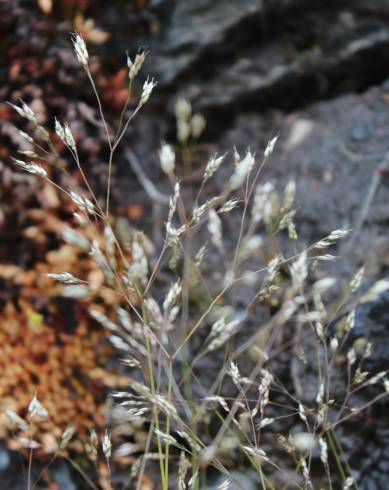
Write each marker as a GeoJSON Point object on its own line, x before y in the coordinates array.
{"type": "Point", "coordinates": [234, 57]}
{"type": "Point", "coordinates": [372, 322]}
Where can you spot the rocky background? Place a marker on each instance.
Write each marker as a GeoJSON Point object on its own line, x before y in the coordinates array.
{"type": "Point", "coordinates": [316, 72]}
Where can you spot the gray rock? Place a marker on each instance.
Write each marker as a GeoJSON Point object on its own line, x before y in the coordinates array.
{"type": "Point", "coordinates": [360, 133]}
{"type": "Point", "coordinates": [5, 459]}
{"type": "Point", "coordinates": [62, 476]}
{"type": "Point", "coordinates": [193, 29]}
{"type": "Point", "coordinates": [372, 322]}
{"type": "Point", "coordinates": [234, 57]}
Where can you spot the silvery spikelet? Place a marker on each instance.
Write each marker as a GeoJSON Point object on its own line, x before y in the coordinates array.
{"type": "Point", "coordinates": [242, 170]}
{"type": "Point", "coordinates": [67, 436]}
{"type": "Point", "coordinates": [107, 445]}
{"type": "Point", "coordinates": [15, 421]}
{"type": "Point", "coordinates": [37, 410]}
{"type": "Point", "coordinates": [148, 87]}
{"type": "Point", "coordinates": [31, 167]}
{"type": "Point", "coordinates": [183, 110]}
{"type": "Point", "coordinates": [135, 66]}
{"type": "Point", "coordinates": [76, 291]}
{"type": "Point", "coordinates": [299, 270]}
{"type": "Point", "coordinates": [172, 296]}
{"type": "Point", "coordinates": [262, 204]}
{"type": "Point", "coordinates": [26, 136]}
{"type": "Point", "coordinates": [138, 268]}
{"type": "Point", "coordinates": [65, 134]}
{"type": "Point", "coordinates": [212, 167]}
{"type": "Point", "coordinates": [183, 131]}
{"type": "Point", "coordinates": [270, 147]}
{"type": "Point", "coordinates": [75, 238]}
{"type": "Point", "coordinates": [215, 228]}
{"type": "Point", "coordinates": [167, 159]}
{"type": "Point", "coordinates": [26, 112]}
{"type": "Point", "coordinates": [65, 277]}
{"type": "Point", "coordinates": [80, 50]}
{"type": "Point", "coordinates": [173, 204]}
{"type": "Point", "coordinates": [332, 238]}
{"type": "Point", "coordinates": [198, 124]}
{"type": "Point", "coordinates": [229, 206]}
{"type": "Point", "coordinates": [83, 203]}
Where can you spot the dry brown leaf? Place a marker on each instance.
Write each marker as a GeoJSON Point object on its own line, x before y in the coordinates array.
{"type": "Point", "coordinates": [89, 31]}
{"type": "Point", "coordinates": [46, 6]}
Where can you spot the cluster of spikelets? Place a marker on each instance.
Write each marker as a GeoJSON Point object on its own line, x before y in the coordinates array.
{"type": "Point", "coordinates": [157, 332]}
{"type": "Point", "coordinates": [61, 367]}
{"type": "Point", "coordinates": [29, 427]}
